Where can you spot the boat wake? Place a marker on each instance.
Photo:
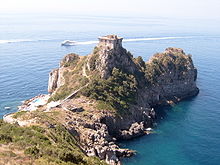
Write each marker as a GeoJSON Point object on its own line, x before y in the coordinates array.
{"type": "Point", "coordinates": [126, 40]}
{"type": "Point", "coordinates": [151, 39]}
{"type": "Point", "coordinates": [91, 42]}
{"type": "Point", "coordinates": [21, 40]}
{"type": "Point", "coordinates": [72, 43]}
{"type": "Point", "coordinates": [87, 42]}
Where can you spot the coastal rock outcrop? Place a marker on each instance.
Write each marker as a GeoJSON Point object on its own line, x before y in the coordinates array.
{"type": "Point", "coordinates": [56, 79]}
{"type": "Point", "coordinates": [109, 95]}
{"type": "Point", "coordinates": [166, 78]}
{"type": "Point", "coordinates": [53, 78]}
{"type": "Point", "coordinates": [110, 54]}
{"type": "Point", "coordinates": [172, 75]}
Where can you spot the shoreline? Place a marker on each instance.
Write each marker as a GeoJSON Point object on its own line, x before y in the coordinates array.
{"type": "Point", "coordinates": [108, 96]}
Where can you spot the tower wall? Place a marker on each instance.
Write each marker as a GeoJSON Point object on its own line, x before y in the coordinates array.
{"type": "Point", "coordinates": [110, 42]}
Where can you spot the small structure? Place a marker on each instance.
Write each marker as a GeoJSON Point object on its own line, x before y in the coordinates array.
{"type": "Point", "coordinates": [34, 103]}
{"type": "Point", "coordinates": [110, 42]}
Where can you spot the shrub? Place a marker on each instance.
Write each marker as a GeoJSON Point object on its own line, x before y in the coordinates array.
{"type": "Point", "coordinates": [102, 105]}
{"type": "Point", "coordinates": [34, 151]}
{"type": "Point", "coordinates": [93, 59]}
{"type": "Point", "coordinates": [118, 91]}
{"type": "Point", "coordinates": [95, 50]}
{"type": "Point", "coordinates": [5, 138]}
{"type": "Point", "coordinates": [162, 63]}
{"type": "Point", "coordinates": [18, 114]}
{"type": "Point", "coordinates": [7, 154]}
{"type": "Point", "coordinates": [46, 145]}
{"type": "Point", "coordinates": [70, 60]}
{"type": "Point", "coordinates": [139, 60]}
{"type": "Point", "coordinates": [61, 93]}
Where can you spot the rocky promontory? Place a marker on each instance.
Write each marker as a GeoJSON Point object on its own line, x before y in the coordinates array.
{"type": "Point", "coordinates": [109, 95]}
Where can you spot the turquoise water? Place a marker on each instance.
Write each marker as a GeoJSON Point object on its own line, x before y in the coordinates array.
{"type": "Point", "coordinates": [186, 134]}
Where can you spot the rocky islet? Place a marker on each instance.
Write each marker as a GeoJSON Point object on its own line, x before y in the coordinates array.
{"type": "Point", "coordinates": [166, 78]}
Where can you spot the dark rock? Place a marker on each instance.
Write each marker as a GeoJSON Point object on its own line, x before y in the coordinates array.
{"type": "Point", "coordinates": [166, 78]}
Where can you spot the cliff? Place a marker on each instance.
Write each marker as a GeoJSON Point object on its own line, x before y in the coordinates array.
{"type": "Point", "coordinates": [109, 95]}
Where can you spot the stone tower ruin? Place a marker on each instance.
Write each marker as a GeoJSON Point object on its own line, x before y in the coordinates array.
{"type": "Point", "coordinates": [110, 42]}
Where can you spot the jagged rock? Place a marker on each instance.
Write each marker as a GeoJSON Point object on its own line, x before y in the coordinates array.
{"type": "Point", "coordinates": [74, 108]}
{"type": "Point", "coordinates": [124, 153]}
{"type": "Point", "coordinates": [166, 78]}
{"type": "Point", "coordinates": [112, 54]}
{"type": "Point", "coordinates": [136, 129]}
{"type": "Point", "coordinates": [111, 158]}
{"type": "Point", "coordinates": [68, 59]}
{"type": "Point", "coordinates": [56, 79]}
{"type": "Point", "coordinates": [53, 78]}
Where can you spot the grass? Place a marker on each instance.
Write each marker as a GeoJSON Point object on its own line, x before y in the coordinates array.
{"type": "Point", "coordinates": [45, 145]}
{"type": "Point", "coordinates": [40, 116]}
{"type": "Point", "coordinates": [117, 92]}
{"type": "Point", "coordinates": [70, 60]}
{"type": "Point", "coordinates": [101, 105]}
{"type": "Point", "coordinates": [19, 114]}
{"type": "Point", "coordinates": [73, 81]}
{"type": "Point", "coordinates": [94, 59]}
{"type": "Point", "coordinates": [72, 84]}
{"type": "Point", "coordinates": [7, 154]}
{"type": "Point", "coordinates": [61, 93]}
{"type": "Point", "coordinates": [162, 63]}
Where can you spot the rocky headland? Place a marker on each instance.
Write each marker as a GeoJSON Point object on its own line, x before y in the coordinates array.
{"type": "Point", "coordinates": [109, 95]}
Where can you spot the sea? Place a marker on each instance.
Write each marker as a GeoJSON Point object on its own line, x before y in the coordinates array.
{"type": "Point", "coordinates": [187, 133]}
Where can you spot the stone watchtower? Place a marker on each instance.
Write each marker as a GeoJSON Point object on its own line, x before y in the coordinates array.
{"type": "Point", "coordinates": [110, 42]}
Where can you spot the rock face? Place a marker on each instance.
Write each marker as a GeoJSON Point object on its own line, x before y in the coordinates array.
{"type": "Point", "coordinates": [175, 79]}
{"type": "Point", "coordinates": [53, 78]}
{"type": "Point", "coordinates": [68, 59]}
{"type": "Point", "coordinates": [56, 79]}
{"type": "Point", "coordinates": [56, 76]}
{"type": "Point", "coordinates": [96, 134]}
{"type": "Point", "coordinates": [111, 55]}
{"type": "Point", "coordinates": [166, 78]}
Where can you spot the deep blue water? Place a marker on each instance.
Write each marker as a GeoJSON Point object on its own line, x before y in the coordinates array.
{"type": "Point", "coordinates": [186, 134]}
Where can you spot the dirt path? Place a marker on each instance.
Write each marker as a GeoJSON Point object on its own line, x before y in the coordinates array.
{"type": "Point", "coordinates": [76, 91]}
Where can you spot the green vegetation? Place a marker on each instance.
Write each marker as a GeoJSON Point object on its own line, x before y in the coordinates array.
{"type": "Point", "coordinates": [5, 138]}
{"type": "Point", "coordinates": [95, 50]}
{"type": "Point", "coordinates": [118, 91]}
{"type": "Point", "coordinates": [129, 54]}
{"type": "Point", "coordinates": [41, 116]}
{"type": "Point", "coordinates": [61, 93]}
{"type": "Point", "coordinates": [18, 114]}
{"type": "Point", "coordinates": [162, 63]}
{"type": "Point", "coordinates": [45, 145]}
{"type": "Point", "coordinates": [93, 59]}
{"type": "Point", "coordinates": [73, 81]}
{"type": "Point", "coordinates": [7, 154]}
{"type": "Point", "coordinates": [78, 68]}
{"type": "Point", "coordinates": [102, 105]}
{"type": "Point", "coordinates": [139, 60]}
{"type": "Point", "coordinates": [70, 60]}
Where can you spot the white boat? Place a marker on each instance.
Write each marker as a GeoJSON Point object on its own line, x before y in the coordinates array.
{"type": "Point", "coordinates": [149, 129]}
{"type": "Point", "coordinates": [68, 43]}
{"type": "Point", "coordinates": [7, 108]}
